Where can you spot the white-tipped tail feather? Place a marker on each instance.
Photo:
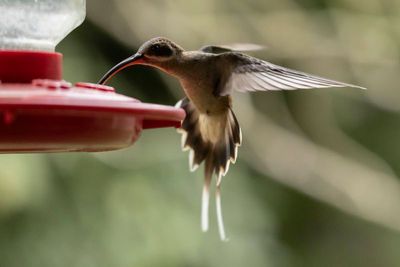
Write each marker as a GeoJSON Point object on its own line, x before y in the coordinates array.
{"type": "Point", "coordinates": [205, 198]}
{"type": "Point", "coordinates": [192, 165]}
{"type": "Point", "coordinates": [205, 202]}
{"type": "Point", "coordinates": [220, 221]}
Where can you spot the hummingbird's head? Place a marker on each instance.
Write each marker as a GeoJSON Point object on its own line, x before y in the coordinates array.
{"type": "Point", "coordinates": [158, 52]}
{"type": "Point", "coordinates": [159, 49]}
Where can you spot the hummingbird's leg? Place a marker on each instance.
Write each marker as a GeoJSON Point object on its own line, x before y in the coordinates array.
{"type": "Point", "coordinates": [220, 220]}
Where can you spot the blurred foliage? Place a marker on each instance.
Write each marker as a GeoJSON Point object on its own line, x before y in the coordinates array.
{"type": "Point", "coordinates": [316, 183]}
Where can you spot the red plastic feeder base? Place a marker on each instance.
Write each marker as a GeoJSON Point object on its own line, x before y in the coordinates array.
{"type": "Point", "coordinates": [50, 115]}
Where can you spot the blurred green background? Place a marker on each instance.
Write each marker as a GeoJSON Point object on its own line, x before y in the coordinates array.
{"type": "Point", "coordinates": [317, 179]}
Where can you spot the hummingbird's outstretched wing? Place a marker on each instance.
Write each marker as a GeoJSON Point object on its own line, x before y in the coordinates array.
{"type": "Point", "coordinates": [252, 74]}
{"type": "Point", "coordinates": [238, 47]}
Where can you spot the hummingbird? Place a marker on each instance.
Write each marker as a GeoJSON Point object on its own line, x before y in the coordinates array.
{"type": "Point", "coordinates": [208, 76]}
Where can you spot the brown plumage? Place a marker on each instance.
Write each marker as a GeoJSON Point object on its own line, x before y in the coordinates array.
{"type": "Point", "coordinates": [210, 130]}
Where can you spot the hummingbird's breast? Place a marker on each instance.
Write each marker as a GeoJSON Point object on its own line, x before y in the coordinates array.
{"type": "Point", "coordinates": [200, 92]}
{"type": "Point", "coordinates": [199, 77]}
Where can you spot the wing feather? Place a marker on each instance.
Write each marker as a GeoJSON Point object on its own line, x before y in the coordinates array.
{"type": "Point", "coordinates": [292, 82]}
{"type": "Point", "coordinates": [283, 84]}
{"type": "Point", "coordinates": [252, 74]}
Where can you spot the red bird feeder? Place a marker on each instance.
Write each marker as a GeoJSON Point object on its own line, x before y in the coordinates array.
{"type": "Point", "coordinates": [39, 112]}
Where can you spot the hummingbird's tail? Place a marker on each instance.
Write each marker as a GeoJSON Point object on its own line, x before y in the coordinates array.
{"type": "Point", "coordinates": [215, 140]}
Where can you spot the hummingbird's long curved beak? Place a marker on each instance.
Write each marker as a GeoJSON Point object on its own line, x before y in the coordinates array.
{"type": "Point", "coordinates": [135, 59]}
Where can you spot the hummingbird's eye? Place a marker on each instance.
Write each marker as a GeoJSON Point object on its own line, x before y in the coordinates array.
{"type": "Point", "coordinates": [160, 50]}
